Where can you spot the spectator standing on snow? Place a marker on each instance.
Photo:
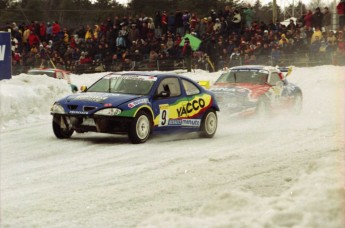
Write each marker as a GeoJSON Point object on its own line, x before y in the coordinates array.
{"type": "Point", "coordinates": [56, 30]}
{"type": "Point", "coordinates": [308, 19]}
{"type": "Point", "coordinates": [317, 18]}
{"type": "Point", "coordinates": [248, 15]}
{"type": "Point", "coordinates": [341, 13]}
{"type": "Point", "coordinates": [315, 49]}
{"type": "Point", "coordinates": [187, 54]}
{"type": "Point", "coordinates": [236, 20]}
{"type": "Point", "coordinates": [327, 18]}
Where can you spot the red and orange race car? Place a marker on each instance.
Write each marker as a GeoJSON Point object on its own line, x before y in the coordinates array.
{"type": "Point", "coordinates": [251, 89]}
{"type": "Point", "coordinates": [54, 73]}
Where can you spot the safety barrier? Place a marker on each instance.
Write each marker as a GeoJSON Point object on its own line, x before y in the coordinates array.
{"type": "Point", "coordinates": [304, 59]}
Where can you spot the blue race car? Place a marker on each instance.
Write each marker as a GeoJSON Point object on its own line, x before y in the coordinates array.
{"type": "Point", "coordinates": [137, 104]}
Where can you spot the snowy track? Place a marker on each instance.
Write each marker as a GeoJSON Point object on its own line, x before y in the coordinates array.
{"type": "Point", "coordinates": [287, 172]}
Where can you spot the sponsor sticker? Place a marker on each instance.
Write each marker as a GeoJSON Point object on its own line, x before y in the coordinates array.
{"type": "Point", "coordinates": [137, 102]}
{"type": "Point", "coordinates": [78, 112]}
{"type": "Point", "coordinates": [131, 77]}
{"type": "Point", "coordinates": [184, 122]}
{"type": "Point", "coordinates": [95, 98]}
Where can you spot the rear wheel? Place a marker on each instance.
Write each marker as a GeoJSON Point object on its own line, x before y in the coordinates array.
{"type": "Point", "coordinates": [61, 132]}
{"type": "Point", "coordinates": [140, 128]}
{"type": "Point", "coordinates": [209, 124]}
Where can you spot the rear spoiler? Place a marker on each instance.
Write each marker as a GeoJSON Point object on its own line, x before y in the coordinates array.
{"type": "Point", "coordinates": [286, 70]}
{"type": "Point", "coordinates": [205, 83]}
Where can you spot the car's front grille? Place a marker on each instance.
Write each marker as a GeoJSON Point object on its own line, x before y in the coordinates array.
{"type": "Point", "coordinates": [88, 108]}
{"type": "Point", "coordinates": [72, 107]}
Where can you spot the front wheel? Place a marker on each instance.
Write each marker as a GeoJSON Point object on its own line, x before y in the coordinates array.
{"type": "Point", "coordinates": [209, 124]}
{"type": "Point", "coordinates": [140, 128]}
{"type": "Point", "coordinates": [59, 132]}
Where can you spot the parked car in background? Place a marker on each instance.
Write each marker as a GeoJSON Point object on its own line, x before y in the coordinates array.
{"type": "Point", "coordinates": [137, 104]}
{"type": "Point", "coordinates": [246, 90]}
{"type": "Point", "coordinates": [54, 73]}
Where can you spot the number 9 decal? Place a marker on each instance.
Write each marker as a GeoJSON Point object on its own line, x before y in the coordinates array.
{"type": "Point", "coordinates": [164, 117]}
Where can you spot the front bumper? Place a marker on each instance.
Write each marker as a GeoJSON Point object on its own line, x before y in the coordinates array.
{"type": "Point", "coordinates": [93, 123]}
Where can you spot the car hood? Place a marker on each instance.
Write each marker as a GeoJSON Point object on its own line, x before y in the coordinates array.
{"type": "Point", "coordinates": [240, 89]}
{"type": "Point", "coordinates": [99, 98]}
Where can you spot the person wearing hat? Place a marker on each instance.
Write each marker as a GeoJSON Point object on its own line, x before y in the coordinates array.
{"type": "Point", "coordinates": [327, 19]}
{"type": "Point", "coordinates": [187, 54]}
{"type": "Point", "coordinates": [317, 18]}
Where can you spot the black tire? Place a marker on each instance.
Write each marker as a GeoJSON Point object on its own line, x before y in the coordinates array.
{"type": "Point", "coordinates": [61, 133]}
{"type": "Point", "coordinates": [140, 128]}
{"type": "Point", "coordinates": [209, 124]}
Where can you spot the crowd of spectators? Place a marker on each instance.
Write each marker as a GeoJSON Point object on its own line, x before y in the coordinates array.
{"type": "Point", "coordinates": [229, 37]}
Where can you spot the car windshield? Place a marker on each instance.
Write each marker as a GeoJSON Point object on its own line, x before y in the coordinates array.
{"type": "Point", "coordinates": [139, 85]}
{"type": "Point", "coordinates": [244, 76]}
{"type": "Point", "coordinates": [48, 73]}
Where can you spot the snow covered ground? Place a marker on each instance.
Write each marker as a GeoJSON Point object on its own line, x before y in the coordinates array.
{"type": "Point", "coordinates": [287, 172]}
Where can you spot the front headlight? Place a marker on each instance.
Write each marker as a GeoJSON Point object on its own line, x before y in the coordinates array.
{"type": "Point", "coordinates": [57, 109]}
{"type": "Point", "coordinates": [108, 112]}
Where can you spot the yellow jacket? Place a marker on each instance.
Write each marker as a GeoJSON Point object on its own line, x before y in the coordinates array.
{"type": "Point", "coordinates": [88, 34]}
{"type": "Point", "coordinates": [283, 40]}
{"type": "Point", "coordinates": [315, 34]}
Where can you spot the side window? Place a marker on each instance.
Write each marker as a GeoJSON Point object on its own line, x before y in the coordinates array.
{"type": "Point", "coordinates": [190, 88]}
{"type": "Point", "coordinates": [170, 85]}
{"type": "Point", "coordinates": [274, 78]}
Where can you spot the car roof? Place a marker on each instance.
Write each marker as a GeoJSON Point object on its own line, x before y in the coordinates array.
{"type": "Point", "coordinates": [45, 69]}
{"type": "Point", "coordinates": [254, 67]}
{"type": "Point", "coordinates": [149, 74]}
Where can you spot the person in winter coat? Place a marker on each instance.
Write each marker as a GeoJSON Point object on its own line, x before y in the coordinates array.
{"type": "Point", "coordinates": [65, 36]}
{"type": "Point", "coordinates": [33, 39]}
{"type": "Point", "coordinates": [308, 19]}
{"type": "Point", "coordinates": [327, 18]}
{"type": "Point", "coordinates": [96, 31]}
{"type": "Point", "coordinates": [213, 52]}
{"type": "Point", "coordinates": [217, 26]}
{"type": "Point", "coordinates": [187, 54]}
{"type": "Point", "coordinates": [193, 22]}
{"type": "Point", "coordinates": [315, 49]}
{"type": "Point", "coordinates": [185, 19]}
{"type": "Point", "coordinates": [341, 14]}
{"type": "Point", "coordinates": [317, 18]}
{"type": "Point", "coordinates": [56, 28]}
{"type": "Point", "coordinates": [164, 22]}
{"type": "Point", "coordinates": [291, 26]}
{"type": "Point", "coordinates": [88, 33]}
{"type": "Point", "coordinates": [248, 15]}
{"type": "Point", "coordinates": [43, 32]}
{"type": "Point", "coordinates": [236, 20]}
{"type": "Point", "coordinates": [49, 31]}
{"type": "Point", "coordinates": [283, 41]}
{"type": "Point", "coordinates": [316, 35]}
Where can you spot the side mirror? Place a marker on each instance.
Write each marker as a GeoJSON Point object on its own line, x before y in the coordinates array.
{"type": "Point", "coordinates": [83, 88]}
{"type": "Point", "coordinates": [163, 94]}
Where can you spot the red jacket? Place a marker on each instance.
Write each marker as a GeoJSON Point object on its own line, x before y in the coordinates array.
{"type": "Point", "coordinates": [33, 39]}
{"type": "Point", "coordinates": [43, 30]}
{"type": "Point", "coordinates": [56, 28]}
{"type": "Point", "coordinates": [341, 8]}
{"type": "Point", "coordinates": [308, 19]}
